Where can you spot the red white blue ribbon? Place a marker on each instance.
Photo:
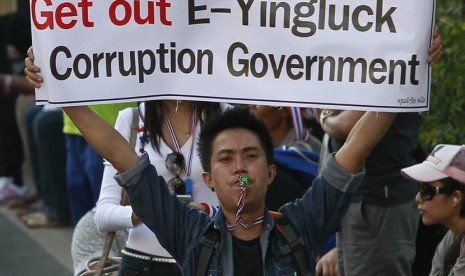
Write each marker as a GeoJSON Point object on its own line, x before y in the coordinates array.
{"type": "Point", "coordinates": [243, 183]}
{"type": "Point", "coordinates": [301, 133]}
{"type": "Point", "coordinates": [178, 148]}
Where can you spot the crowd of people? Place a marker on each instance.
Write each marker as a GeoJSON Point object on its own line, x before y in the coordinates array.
{"type": "Point", "coordinates": [171, 177]}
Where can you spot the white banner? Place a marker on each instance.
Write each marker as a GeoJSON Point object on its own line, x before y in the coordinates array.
{"type": "Point", "coordinates": [346, 54]}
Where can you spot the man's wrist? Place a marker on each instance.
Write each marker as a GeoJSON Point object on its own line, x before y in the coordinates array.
{"type": "Point", "coordinates": [132, 176]}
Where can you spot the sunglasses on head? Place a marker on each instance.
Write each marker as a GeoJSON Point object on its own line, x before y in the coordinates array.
{"type": "Point", "coordinates": [427, 192]}
{"type": "Point", "coordinates": [175, 163]}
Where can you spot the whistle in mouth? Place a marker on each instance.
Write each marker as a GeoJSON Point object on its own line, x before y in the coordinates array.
{"type": "Point", "coordinates": [244, 180]}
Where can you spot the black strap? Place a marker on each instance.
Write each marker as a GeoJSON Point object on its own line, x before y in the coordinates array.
{"type": "Point", "coordinates": [295, 245]}
{"type": "Point", "coordinates": [452, 253]}
{"type": "Point", "coordinates": [208, 246]}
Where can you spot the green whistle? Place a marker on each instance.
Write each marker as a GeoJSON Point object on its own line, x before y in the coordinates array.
{"type": "Point", "coordinates": [244, 180]}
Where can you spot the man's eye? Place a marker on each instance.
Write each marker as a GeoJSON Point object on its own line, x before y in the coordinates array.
{"type": "Point", "coordinates": [251, 156]}
{"type": "Point", "coordinates": [225, 159]}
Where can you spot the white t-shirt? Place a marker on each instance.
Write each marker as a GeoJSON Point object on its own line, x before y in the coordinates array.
{"type": "Point", "coordinates": [111, 216]}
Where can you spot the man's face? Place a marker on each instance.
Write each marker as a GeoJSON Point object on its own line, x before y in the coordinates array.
{"type": "Point", "coordinates": [272, 117]}
{"type": "Point", "coordinates": [239, 152]}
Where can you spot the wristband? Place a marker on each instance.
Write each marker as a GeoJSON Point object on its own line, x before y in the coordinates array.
{"type": "Point", "coordinates": [207, 208]}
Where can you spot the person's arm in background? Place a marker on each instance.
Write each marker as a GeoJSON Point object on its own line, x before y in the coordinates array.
{"type": "Point", "coordinates": [328, 264]}
{"type": "Point", "coordinates": [14, 84]}
{"type": "Point", "coordinates": [338, 125]}
{"type": "Point", "coordinates": [435, 50]}
{"type": "Point", "coordinates": [112, 214]}
{"type": "Point", "coordinates": [32, 71]}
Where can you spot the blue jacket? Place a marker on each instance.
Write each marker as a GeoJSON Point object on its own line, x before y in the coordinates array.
{"type": "Point", "coordinates": [179, 228]}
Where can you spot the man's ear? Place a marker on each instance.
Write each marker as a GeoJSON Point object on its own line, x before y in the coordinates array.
{"type": "Point", "coordinates": [207, 179]}
{"type": "Point", "coordinates": [271, 173]}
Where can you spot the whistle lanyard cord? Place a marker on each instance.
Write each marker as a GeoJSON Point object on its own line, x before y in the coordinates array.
{"type": "Point", "coordinates": [240, 206]}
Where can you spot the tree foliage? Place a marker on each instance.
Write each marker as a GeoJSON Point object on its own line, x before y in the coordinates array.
{"type": "Point", "coordinates": [445, 122]}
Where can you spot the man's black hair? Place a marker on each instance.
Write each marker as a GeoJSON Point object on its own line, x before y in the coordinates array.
{"type": "Point", "coordinates": [238, 117]}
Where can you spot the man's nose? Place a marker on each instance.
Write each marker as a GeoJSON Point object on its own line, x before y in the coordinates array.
{"type": "Point", "coordinates": [240, 166]}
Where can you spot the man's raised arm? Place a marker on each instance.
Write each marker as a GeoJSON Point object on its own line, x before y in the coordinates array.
{"type": "Point", "coordinates": [103, 138]}
{"type": "Point", "coordinates": [363, 137]}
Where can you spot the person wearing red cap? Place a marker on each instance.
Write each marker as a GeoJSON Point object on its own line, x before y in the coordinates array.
{"type": "Point", "coordinates": [441, 196]}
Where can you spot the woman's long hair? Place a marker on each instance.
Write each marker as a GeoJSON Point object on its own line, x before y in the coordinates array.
{"type": "Point", "coordinates": [154, 117]}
